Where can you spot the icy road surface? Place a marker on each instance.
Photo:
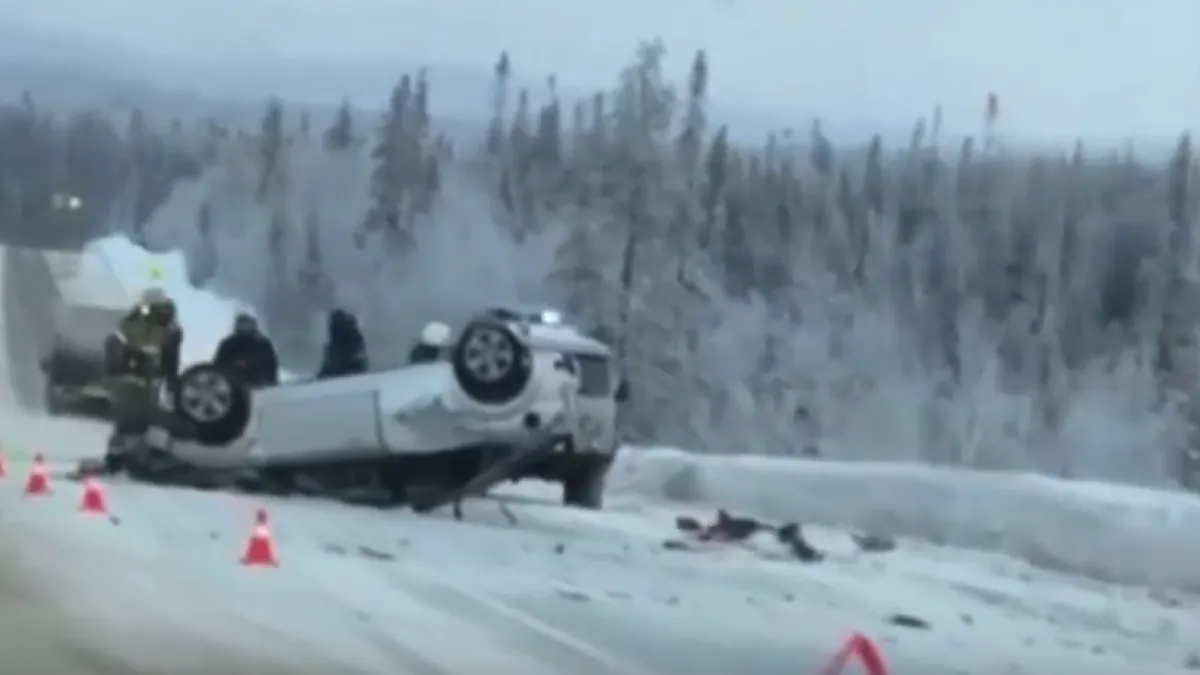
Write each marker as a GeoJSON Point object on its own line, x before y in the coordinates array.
{"type": "Point", "coordinates": [563, 591]}
{"type": "Point", "coordinates": [158, 588]}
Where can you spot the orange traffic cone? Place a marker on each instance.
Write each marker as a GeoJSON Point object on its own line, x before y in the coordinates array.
{"type": "Point", "coordinates": [93, 500]}
{"type": "Point", "coordinates": [38, 483]}
{"type": "Point", "coordinates": [260, 550]}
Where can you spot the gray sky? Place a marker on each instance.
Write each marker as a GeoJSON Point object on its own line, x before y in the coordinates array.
{"type": "Point", "coordinates": [1096, 68]}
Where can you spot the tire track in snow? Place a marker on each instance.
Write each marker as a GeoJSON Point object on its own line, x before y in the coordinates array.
{"type": "Point", "coordinates": [431, 628]}
{"type": "Point", "coordinates": [561, 651]}
{"type": "Point", "coordinates": [66, 606]}
{"type": "Point", "coordinates": [48, 627]}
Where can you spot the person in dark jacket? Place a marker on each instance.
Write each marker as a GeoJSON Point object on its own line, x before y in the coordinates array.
{"type": "Point", "coordinates": [345, 348]}
{"type": "Point", "coordinates": [249, 353]}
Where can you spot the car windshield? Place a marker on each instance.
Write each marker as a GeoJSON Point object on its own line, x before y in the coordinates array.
{"type": "Point", "coordinates": [595, 376]}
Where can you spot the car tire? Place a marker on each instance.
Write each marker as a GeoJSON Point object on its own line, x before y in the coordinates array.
{"type": "Point", "coordinates": [213, 403]}
{"type": "Point", "coordinates": [491, 363]}
{"type": "Point", "coordinates": [583, 486]}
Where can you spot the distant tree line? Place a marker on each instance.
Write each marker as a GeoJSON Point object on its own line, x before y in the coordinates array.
{"type": "Point", "coordinates": [757, 294]}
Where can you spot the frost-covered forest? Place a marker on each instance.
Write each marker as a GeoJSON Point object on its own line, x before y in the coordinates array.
{"type": "Point", "coordinates": [954, 301]}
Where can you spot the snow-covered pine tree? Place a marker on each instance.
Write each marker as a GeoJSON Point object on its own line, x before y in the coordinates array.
{"type": "Point", "coordinates": [501, 84]}
{"type": "Point", "coordinates": [272, 149]}
{"type": "Point", "coordinates": [387, 177]}
{"type": "Point", "coordinates": [312, 275]}
{"type": "Point", "coordinates": [202, 259]}
{"type": "Point", "coordinates": [340, 135]}
{"type": "Point", "coordinates": [399, 189]}
{"type": "Point", "coordinates": [516, 176]}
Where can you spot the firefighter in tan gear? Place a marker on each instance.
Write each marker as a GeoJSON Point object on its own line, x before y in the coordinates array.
{"type": "Point", "coordinates": [146, 342]}
{"type": "Point", "coordinates": [142, 357]}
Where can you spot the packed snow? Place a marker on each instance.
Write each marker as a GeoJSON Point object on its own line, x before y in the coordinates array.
{"type": "Point", "coordinates": [597, 592]}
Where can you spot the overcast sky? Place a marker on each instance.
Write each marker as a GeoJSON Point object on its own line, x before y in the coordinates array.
{"type": "Point", "coordinates": [1096, 68]}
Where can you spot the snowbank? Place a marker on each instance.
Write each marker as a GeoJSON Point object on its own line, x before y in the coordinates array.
{"type": "Point", "coordinates": [206, 318]}
{"type": "Point", "coordinates": [1110, 532]}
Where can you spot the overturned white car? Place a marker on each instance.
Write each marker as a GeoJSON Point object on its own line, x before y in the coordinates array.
{"type": "Point", "coordinates": [507, 397]}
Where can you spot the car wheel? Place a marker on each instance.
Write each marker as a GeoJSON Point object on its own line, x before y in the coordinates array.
{"type": "Point", "coordinates": [583, 486]}
{"type": "Point", "coordinates": [492, 365]}
{"type": "Point", "coordinates": [214, 404]}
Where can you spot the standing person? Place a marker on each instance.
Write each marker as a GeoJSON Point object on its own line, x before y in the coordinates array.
{"type": "Point", "coordinates": [248, 353]}
{"type": "Point", "coordinates": [345, 348]}
{"type": "Point", "coordinates": [141, 357]}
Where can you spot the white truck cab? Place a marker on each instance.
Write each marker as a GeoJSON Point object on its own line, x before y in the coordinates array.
{"type": "Point", "coordinates": [89, 300]}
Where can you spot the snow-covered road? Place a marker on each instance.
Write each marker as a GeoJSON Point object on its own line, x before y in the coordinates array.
{"type": "Point", "coordinates": [159, 589]}
{"type": "Point", "coordinates": [563, 591]}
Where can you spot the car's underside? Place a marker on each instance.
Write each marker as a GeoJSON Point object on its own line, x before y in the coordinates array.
{"type": "Point", "coordinates": [423, 482]}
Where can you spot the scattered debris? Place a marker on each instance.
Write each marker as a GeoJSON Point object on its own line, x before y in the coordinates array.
{"type": "Point", "coordinates": [909, 621]}
{"type": "Point", "coordinates": [375, 554]}
{"type": "Point", "coordinates": [364, 551]}
{"type": "Point", "coordinates": [572, 595]}
{"type": "Point", "coordinates": [729, 528]}
{"type": "Point", "coordinates": [791, 535]}
{"type": "Point", "coordinates": [501, 470]}
{"type": "Point", "coordinates": [873, 543]}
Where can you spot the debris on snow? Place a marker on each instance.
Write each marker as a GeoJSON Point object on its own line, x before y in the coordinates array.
{"type": "Point", "coordinates": [873, 543]}
{"type": "Point", "coordinates": [909, 621]}
{"type": "Point", "coordinates": [733, 529]}
{"type": "Point", "coordinates": [572, 594]}
{"type": "Point", "coordinates": [375, 554]}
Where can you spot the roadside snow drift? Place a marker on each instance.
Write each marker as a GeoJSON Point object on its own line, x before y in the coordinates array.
{"type": "Point", "coordinates": [1108, 532]}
